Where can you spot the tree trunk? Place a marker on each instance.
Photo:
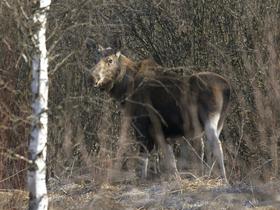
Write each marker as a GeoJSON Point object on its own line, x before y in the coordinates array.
{"type": "Point", "coordinates": [38, 142]}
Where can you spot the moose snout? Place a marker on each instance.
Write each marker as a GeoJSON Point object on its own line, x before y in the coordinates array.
{"type": "Point", "coordinates": [94, 79]}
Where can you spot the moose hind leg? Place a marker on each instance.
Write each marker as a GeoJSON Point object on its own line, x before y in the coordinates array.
{"type": "Point", "coordinates": [144, 161]}
{"type": "Point", "coordinates": [170, 160]}
{"type": "Point", "coordinates": [214, 143]}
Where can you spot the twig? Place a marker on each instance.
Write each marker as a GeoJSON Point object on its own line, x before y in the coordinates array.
{"type": "Point", "coordinates": [61, 63]}
{"type": "Point", "coordinates": [14, 155]}
{"type": "Point", "coordinates": [9, 177]}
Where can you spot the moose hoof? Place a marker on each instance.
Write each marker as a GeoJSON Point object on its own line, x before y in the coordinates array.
{"type": "Point", "coordinates": [171, 176]}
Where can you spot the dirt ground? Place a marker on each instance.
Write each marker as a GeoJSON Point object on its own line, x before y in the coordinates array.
{"type": "Point", "coordinates": [199, 193]}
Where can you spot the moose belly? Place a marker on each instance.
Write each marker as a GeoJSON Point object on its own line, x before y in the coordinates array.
{"type": "Point", "coordinates": [173, 122]}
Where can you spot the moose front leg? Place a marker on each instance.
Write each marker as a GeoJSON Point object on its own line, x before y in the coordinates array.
{"type": "Point", "coordinates": [166, 150]}
{"type": "Point", "coordinates": [123, 144]}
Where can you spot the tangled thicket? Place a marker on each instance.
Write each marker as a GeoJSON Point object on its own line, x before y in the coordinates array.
{"type": "Point", "coordinates": [237, 39]}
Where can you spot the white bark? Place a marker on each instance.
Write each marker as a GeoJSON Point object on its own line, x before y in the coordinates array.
{"type": "Point", "coordinates": [38, 142]}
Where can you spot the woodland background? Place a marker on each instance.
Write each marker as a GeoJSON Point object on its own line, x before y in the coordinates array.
{"type": "Point", "coordinates": [235, 38]}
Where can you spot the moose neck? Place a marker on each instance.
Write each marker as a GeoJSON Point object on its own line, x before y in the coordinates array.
{"type": "Point", "coordinates": [125, 79]}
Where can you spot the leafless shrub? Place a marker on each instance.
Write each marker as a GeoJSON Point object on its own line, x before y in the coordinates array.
{"type": "Point", "coordinates": [14, 90]}
{"type": "Point", "coordinates": [239, 40]}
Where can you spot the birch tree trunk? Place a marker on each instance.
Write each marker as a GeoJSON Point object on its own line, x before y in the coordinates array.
{"type": "Point", "coordinates": [38, 142]}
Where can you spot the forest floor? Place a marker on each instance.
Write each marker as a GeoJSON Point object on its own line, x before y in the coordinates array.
{"type": "Point", "coordinates": [200, 193]}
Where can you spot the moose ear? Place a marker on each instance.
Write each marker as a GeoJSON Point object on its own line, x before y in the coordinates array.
{"type": "Point", "coordinates": [100, 48]}
{"type": "Point", "coordinates": [118, 54]}
{"type": "Point", "coordinates": [105, 51]}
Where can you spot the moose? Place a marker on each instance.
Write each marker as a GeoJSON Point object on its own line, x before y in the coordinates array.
{"type": "Point", "coordinates": [161, 105]}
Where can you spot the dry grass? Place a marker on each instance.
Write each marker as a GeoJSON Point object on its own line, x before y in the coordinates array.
{"type": "Point", "coordinates": [13, 199]}
{"type": "Point", "coordinates": [199, 193]}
